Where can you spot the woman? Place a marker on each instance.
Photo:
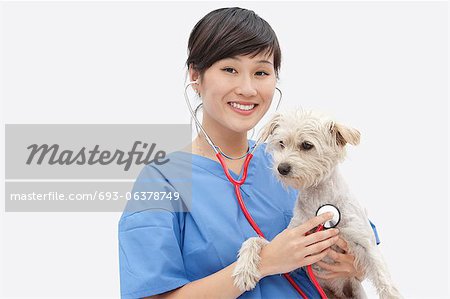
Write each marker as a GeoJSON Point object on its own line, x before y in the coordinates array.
{"type": "Point", "coordinates": [234, 57]}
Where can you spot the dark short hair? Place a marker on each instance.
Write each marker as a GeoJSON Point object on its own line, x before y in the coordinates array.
{"type": "Point", "coordinates": [228, 32]}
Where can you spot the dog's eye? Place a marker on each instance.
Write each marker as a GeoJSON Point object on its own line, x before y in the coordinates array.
{"type": "Point", "coordinates": [307, 145]}
{"type": "Point", "coordinates": [282, 144]}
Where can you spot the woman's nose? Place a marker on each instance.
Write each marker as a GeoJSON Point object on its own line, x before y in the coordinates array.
{"type": "Point", "coordinates": [246, 87]}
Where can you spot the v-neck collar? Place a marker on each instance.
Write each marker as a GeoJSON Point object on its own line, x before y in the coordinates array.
{"type": "Point", "coordinates": [215, 168]}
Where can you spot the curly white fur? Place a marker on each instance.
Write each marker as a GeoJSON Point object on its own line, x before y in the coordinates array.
{"type": "Point", "coordinates": [246, 274]}
{"type": "Point", "coordinates": [315, 172]}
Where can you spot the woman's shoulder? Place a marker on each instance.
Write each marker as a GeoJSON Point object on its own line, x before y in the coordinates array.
{"type": "Point", "coordinates": [175, 166]}
{"type": "Point", "coordinates": [162, 186]}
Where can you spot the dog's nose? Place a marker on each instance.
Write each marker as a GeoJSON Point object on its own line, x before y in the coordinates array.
{"type": "Point", "coordinates": [284, 168]}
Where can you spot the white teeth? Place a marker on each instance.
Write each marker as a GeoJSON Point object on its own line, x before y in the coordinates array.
{"type": "Point", "coordinates": [242, 107]}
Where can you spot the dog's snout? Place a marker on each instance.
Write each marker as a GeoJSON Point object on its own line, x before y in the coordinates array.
{"type": "Point", "coordinates": [284, 168]}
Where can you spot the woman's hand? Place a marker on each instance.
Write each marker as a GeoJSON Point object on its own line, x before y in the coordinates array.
{"type": "Point", "coordinates": [291, 249]}
{"type": "Point", "coordinates": [343, 266]}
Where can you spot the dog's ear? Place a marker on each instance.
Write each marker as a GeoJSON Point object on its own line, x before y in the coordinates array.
{"type": "Point", "coordinates": [344, 134]}
{"type": "Point", "coordinates": [270, 127]}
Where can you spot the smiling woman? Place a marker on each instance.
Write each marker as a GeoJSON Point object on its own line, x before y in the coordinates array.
{"type": "Point", "coordinates": [235, 57]}
{"type": "Point", "coordinates": [233, 64]}
{"type": "Point", "coordinates": [236, 93]}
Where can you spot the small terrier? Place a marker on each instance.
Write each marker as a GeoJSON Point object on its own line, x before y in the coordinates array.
{"type": "Point", "coordinates": [306, 148]}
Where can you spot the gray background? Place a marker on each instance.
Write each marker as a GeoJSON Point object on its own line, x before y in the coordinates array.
{"type": "Point", "coordinates": [380, 67]}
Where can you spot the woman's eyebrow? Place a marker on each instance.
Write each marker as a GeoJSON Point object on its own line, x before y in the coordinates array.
{"type": "Point", "coordinates": [265, 61]}
{"type": "Point", "coordinates": [259, 61]}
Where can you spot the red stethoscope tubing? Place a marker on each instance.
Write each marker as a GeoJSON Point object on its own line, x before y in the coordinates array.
{"type": "Point", "coordinates": [311, 273]}
{"type": "Point", "coordinates": [237, 185]}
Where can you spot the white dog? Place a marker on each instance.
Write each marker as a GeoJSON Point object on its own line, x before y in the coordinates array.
{"type": "Point", "coordinates": [306, 149]}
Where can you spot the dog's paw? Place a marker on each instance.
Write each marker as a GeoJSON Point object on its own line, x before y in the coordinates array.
{"type": "Point", "coordinates": [246, 273]}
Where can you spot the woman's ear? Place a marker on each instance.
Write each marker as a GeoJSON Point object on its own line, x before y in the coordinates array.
{"type": "Point", "coordinates": [194, 74]}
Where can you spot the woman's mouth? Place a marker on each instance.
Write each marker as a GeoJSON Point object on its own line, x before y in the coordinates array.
{"type": "Point", "coordinates": [242, 108]}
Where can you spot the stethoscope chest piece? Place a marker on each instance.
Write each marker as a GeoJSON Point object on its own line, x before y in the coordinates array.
{"type": "Point", "coordinates": [336, 215]}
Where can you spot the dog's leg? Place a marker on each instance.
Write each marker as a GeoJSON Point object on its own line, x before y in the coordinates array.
{"type": "Point", "coordinates": [379, 274]}
{"type": "Point", "coordinates": [354, 289]}
{"type": "Point", "coordinates": [246, 274]}
{"type": "Point", "coordinates": [368, 257]}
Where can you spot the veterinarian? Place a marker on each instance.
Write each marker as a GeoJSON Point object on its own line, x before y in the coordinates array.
{"type": "Point", "coordinates": [235, 58]}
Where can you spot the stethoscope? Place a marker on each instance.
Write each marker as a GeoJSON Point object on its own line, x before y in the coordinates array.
{"type": "Point", "coordinates": [333, 222]}
{"type": "Point", "coordinates": [238, 183]}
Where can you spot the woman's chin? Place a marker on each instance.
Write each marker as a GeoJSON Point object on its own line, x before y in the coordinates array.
{"type": "Point", "coordinates": [243, 126]}
{"type": "Point", "coordinates": [244, 129]}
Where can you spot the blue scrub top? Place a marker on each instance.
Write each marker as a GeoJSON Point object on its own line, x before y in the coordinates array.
{"type": "Point", "coordinates": [160, 250]}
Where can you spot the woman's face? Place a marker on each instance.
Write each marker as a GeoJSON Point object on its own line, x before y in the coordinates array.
{"type": "Point", "coordinates": [237, 92]}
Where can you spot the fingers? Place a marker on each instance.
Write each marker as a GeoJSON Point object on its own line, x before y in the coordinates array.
{"type": "Point", "coordinates": [315, 258]}
{"type": "Point", "coordinates": [341, 257]}
{"type": "Point", "coordinates": [342, 244]}
{"type": "Point", "coordinates": [319, 236]}
{"type": "Point", "coordinates": [331, 275]}
{"type": "Point", "coordinates": [335, 267]}
{"type": "Point", "coordinates": [320, 246]}
{"type": "Point", "coordinates": [313, 222]}
{"type": "Point", "coordinates": [333, 270]}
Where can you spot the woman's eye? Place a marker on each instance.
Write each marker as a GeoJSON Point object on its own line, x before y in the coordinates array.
{"type": "Point", "coordinates": [262, 73]}
{"type": "Point", "coordinates": [282, 144]}
{"type": "Point", "coordinates": [306, 145]}
{"type": "Point", "coordinates": [229, 69]}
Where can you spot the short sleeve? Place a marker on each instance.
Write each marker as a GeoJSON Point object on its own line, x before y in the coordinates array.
{"type": "Point", "coordinates": [150, 257]}
{"type": "Point", "coordinates": [374, 229]}
{"type": "Point", "coordinates": [149, 254]}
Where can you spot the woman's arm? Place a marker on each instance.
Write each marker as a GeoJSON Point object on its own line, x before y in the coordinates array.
{"type": "Point", "coordinates": [217, 285]}
{"type": "Point", "coordinates": [288, 251]}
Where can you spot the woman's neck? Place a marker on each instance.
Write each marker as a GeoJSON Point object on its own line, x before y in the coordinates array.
{"type": "Point", "coordinates": [231, 143]}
